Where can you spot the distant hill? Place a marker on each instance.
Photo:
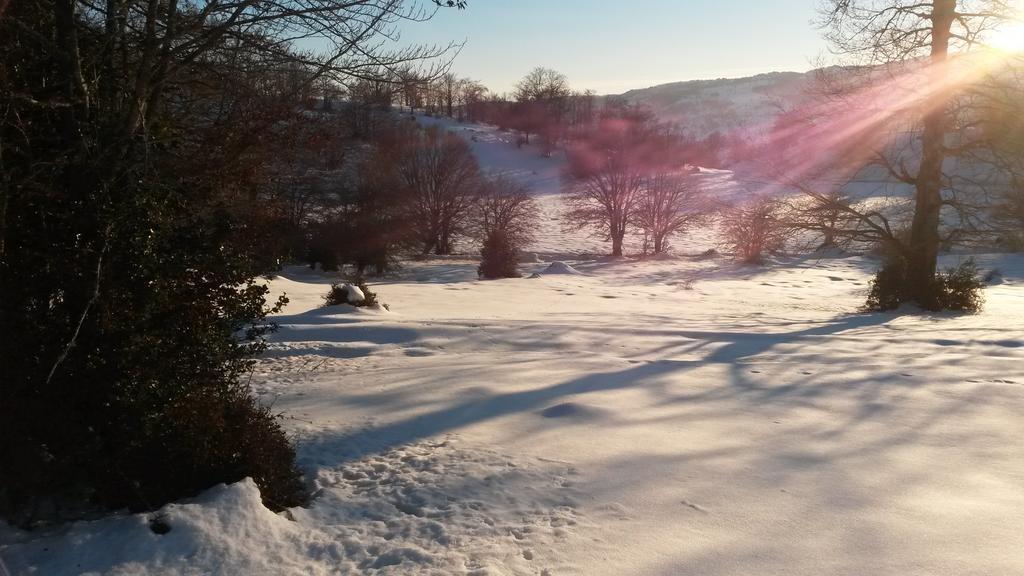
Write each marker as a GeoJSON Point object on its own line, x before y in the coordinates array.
{"type": "Point", "coordinates": [724, 105]}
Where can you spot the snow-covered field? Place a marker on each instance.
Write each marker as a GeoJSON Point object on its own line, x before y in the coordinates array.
{"type": "Point", "coordinates": [665, 416]}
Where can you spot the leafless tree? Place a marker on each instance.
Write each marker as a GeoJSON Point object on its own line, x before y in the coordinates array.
{"type": "Point", "coordinates": [754, 229]}
{"type": "Point", "coordinates": [505, 205]}
{"type": "Point", "coordinates": [448, 89]}
{"type": "Point", "coordinates": [474, 95]}
{"type": "Point", "coordinates": [541, 98]}
{"type": "Point", "coordinates": [606, 170]}
{"type": "Point", "coordinates": [915, 42]}
{"type": "Point", "coordinates": [669, 203]}
{"type": "Point", "coordinates": [440, 175]}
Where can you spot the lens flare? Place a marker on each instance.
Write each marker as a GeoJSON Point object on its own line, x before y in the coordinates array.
{"type": "Point", "coordinates": [1009, 38]}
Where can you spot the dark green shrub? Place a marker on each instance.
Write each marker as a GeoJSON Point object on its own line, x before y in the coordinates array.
{"type": "Point", "coordinates": [886, 290]}
{"type": "Point", "coordinates": [338, 294]}
{"type": "Point", "coordinates": [200, 440]}
{"type": "Point", "coordinates": [129, 391]}
{"type": "Point", "coordinates": [957, 289]}
{"type": "Point", "coordinates": [960, 288]}
{"type": "Point", "coordinates": [498, 257]}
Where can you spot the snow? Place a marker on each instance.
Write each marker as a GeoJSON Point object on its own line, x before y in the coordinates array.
{"type": "Point", "coordinates": [678, 415]}
{"type": "Point", "coordinates": [353, 294]}
{"type": "Point", "coordinates": [560, 268]}
{"type": "Point", "coordinates": [650, 416]}
{"type": "Point", "coordinates": [725, 105]}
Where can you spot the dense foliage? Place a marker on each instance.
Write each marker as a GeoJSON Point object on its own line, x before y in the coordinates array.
{"type": "Point", "coordinates": [146, 183]}
{"type": "Point", "coordinates": [958, 289]}
{"type": "Point", "coordinates": [499, 257]}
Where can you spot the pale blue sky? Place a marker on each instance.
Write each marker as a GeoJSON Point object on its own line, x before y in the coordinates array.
{"type": "Point", "coordinates": [615, 46]}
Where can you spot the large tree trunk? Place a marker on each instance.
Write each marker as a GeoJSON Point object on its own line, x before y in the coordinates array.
{"type": "Point", "coordinates": [923, 249]}
{"type": "Point", "coordinates": [617, 237]}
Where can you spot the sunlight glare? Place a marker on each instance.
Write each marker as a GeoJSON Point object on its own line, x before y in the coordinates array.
{"type": "Point", "coordinates": [1009, 38]}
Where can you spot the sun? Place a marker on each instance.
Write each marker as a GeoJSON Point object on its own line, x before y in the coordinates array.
{"type": "Point", "coordinates": [1009, 38]}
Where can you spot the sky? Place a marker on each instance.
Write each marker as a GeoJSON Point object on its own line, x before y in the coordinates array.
{"type": "Point", "coordinates": [614, 46]}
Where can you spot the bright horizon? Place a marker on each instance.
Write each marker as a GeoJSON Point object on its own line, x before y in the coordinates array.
{"type": "Point", "coordinates": [665, 41]}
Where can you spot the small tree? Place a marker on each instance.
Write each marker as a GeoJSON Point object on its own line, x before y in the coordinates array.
{"type": "Point", "coordinates": [754, 229]}
{"type": "Point", "coordinates": [831, 219]}
{"type": "Point", "coordinates": [505, 205]}
{"type": "Point", "coordinates": [499, 256]}
{"type": "Point", "coordinates": [668, 204]}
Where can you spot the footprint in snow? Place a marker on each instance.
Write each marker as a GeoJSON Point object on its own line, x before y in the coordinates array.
{"type": "Point", "coordinates": [693, 506]}
{"type": "Point", "coordinates": [1009, 343]}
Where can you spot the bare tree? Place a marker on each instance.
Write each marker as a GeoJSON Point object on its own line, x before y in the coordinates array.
{"type": "Point", "coordinates": [904, 36]}
{"type": "Point", "coordinates": [606, 169]}
{"type": "Point", "coordinates": [669, 203]}
{"type": "Point", "coordinates": [474, 95]}
{"type": "Point", "coordinates": [440, 174]}
{"type": "Point", "coordinates": [505, 205]}
{"type": "Point", "coordinates": [448, 88]}
{"type": "Point", "coordinates": [541, 99]}
{"type": "Point", "coordinates": [753, 229]}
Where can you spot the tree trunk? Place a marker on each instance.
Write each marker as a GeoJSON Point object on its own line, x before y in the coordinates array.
{"type": "Point", "coordinates": [923, 248]}
{"type": "Point", "coordinates": [617, 244]}
{"type": "Point", "coordinates": [443, 244]}
{"type": "Point", "coordinates": [71, 68]}
{"type": "Point", "coordinates": [659, 243]}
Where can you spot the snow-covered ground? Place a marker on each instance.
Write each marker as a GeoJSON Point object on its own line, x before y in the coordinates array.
{"type": "Point", "coordinates": [679, 415]}
{"type": "Point", "coordinates": [727, 105]}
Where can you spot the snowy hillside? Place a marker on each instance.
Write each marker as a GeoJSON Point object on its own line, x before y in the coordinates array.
{"type": "Point", "coordinates": [725, 105]}
{"type": "Point", "coordinates": [680, 415]}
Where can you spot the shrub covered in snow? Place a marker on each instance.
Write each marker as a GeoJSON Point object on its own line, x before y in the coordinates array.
{"type": "Point", "coordinates": [499, 257]}
{"type": "Point", "coordinates": [958, 289]}
{"type": "Point", "coordinates": [355, 294]}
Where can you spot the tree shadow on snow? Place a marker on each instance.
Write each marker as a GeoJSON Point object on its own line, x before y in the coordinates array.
{"type": "Point", "coordinates": [735, 348]}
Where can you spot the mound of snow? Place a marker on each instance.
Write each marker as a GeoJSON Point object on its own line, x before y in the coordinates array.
{"type": "Point", "coordinates": [424, 508]}
{"type": "Point", "coordinates": [353, 294]}
{"type": "Point", "coordinates": [560, 268]}
{"type": "Point", "coordinates": [227, 528]}
{"type": "Point", "coordinates": [571, 410]}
